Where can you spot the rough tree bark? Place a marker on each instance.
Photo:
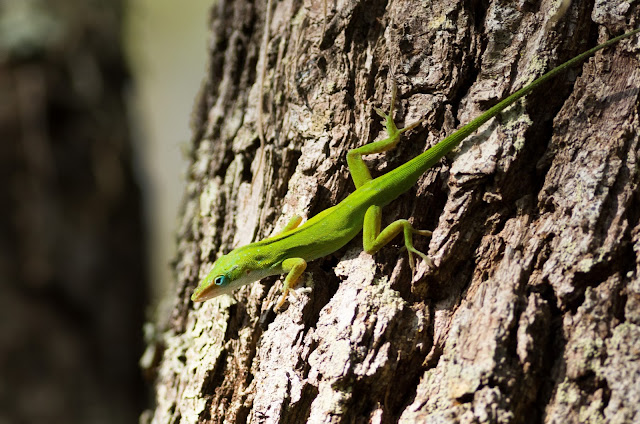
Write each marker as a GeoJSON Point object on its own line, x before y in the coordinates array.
{"type": "Point", "coordinates": [532, 312]}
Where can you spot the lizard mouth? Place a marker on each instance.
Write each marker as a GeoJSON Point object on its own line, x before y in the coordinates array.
{"type": "Point", "coordinates": [202, 294]}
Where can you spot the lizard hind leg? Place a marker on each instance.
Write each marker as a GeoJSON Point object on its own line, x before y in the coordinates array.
{"type": "Point", "coordinates": [357, 168]}
{"type": "Point", "coordinates": [408, 242]}
{"type": "Point", "coordinates": [374, 239]}
{"type": "Point", "coordinates": [389, 123]}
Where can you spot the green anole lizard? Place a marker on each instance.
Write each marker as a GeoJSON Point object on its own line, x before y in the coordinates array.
{"type": "Point", "coordinates": [289, 251]}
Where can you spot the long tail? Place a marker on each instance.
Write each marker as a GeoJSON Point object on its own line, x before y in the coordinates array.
{"type": "Point", "coordinates": [429, 158]}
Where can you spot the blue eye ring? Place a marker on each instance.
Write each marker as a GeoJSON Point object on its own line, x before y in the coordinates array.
{"type": "Point", "coordinates": [221, 280]}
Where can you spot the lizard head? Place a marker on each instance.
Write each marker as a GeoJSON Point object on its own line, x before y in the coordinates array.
{"type": "Point", "coordinates": [229, 272]}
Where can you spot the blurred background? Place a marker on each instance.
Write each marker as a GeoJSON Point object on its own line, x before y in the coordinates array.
{"type": "Point", "coordinates": [95, 103]}
{"type": "Point", "coordinates": [166, 44]}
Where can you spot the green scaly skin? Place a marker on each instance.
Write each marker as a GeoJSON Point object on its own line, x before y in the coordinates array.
{"type": "Point", "coordinates": [289, 251]}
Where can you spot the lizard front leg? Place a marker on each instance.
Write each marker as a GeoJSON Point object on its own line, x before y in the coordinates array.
{"type": "Point", "coordinates": [293, 223]}
{"type": "Point", "coordinates": [294, 267]}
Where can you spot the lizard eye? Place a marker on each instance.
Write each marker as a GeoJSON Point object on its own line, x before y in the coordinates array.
{"type": "Point", "coordinates": [221, 280]}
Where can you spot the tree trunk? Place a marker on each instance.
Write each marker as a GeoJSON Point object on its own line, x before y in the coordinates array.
{"type": "Point", "coordinates": [532, 311]}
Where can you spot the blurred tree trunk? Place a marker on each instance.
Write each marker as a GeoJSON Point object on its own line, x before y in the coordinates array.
{"type": "Point", "coordinates": [72, 268]}
{"type": "Point", "coordinates": [532, 312]}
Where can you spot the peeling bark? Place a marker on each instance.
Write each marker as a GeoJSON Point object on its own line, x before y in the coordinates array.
{"type": "Point", "coordinates": [532, 311]}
